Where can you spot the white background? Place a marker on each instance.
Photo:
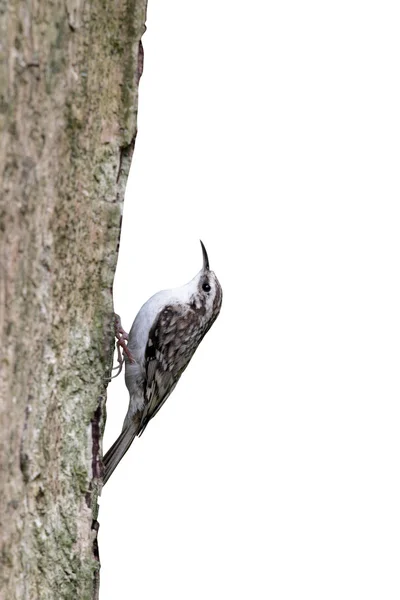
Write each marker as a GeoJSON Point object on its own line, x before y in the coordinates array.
{"type": "Point", "coordinates": [270, 130]}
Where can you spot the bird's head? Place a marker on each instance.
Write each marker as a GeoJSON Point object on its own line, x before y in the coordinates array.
{"type": "Point", "coordinates": [206, 292]}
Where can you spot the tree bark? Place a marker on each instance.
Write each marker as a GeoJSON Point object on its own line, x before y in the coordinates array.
{"type": "Point", "coordinates": [69, 73]}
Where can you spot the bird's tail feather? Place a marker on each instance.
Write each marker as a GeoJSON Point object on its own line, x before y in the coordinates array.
{"type": "Point", "coordinates": [118, 449]}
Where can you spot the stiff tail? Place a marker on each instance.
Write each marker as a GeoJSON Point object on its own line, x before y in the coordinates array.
{"type": "Point", "coordinates": [118, 449]}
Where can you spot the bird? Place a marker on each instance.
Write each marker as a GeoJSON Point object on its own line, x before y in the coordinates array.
{"type": "Point", "coordinates": [163, 338]}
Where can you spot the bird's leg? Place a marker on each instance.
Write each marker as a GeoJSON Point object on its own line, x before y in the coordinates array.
{"type": "Point", "coordinates": [122, 338]}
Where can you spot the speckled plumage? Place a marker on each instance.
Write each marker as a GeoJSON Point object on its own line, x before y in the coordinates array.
{"type": "Point", "coordinates": [164, 336]}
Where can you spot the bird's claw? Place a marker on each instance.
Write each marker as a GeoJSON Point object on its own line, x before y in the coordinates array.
{"type": "Point", "coordinates": [122, 338]}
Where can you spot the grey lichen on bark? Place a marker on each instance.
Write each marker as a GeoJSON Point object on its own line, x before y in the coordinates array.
{"type": "Point", "coordinates": [69, 74]}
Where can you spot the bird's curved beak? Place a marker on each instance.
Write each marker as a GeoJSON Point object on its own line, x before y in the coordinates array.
{"type": "Point", "coordinates": [206, 266]}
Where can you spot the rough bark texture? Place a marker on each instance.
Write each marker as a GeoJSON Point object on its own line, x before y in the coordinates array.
{"type": "Point", "coordinates": [69, 73]}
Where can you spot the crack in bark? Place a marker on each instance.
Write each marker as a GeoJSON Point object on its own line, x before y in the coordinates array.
{"type": "Point", "coordinates": [97, 469]}
{"type": "Point", "coordinates": [125, 157]}
{"type": "Point", "coordinates": [24, 456]}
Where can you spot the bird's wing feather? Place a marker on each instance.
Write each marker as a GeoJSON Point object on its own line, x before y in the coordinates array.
{"type": "Point", "coordinates": [172, 341]}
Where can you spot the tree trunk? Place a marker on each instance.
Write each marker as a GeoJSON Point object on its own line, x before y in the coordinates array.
{"type": "Point", "coordinates": [69, 76]}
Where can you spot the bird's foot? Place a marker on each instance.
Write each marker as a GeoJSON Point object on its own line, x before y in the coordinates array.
{"type": "Point", "coordinates": [122, 338]}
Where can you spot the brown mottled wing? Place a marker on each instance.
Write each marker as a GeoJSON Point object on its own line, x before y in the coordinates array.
{"type": "Point", "coordinates": [173, 339]}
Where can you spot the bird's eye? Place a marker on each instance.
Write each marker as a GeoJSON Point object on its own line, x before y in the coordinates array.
{"type": "Point", "coordinates": [206, 287]}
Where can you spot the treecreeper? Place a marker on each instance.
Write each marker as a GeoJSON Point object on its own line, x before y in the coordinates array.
{"type": "Point", "coordinates": [164, 336]}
